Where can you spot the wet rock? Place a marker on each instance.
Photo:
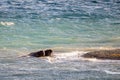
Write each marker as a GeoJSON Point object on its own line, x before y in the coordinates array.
{"type": "Point", "coordinates": [41, 53]}
{"type": "Point", "coordinates": [48, 52]}
{"type": "Point", "coordinates": [104, 54]}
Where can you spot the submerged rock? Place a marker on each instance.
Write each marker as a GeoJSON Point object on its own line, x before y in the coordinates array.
{"type": "Point", "coordinates": [104, 54]}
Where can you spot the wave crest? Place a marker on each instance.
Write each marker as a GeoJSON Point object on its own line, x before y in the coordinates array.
{"type": "Point", "coordinates": [7, 23]}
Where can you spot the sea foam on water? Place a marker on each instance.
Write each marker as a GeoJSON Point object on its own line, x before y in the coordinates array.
{"type": "Point", "coordinates": [7, 23]}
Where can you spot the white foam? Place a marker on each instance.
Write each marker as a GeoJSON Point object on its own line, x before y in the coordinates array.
{"type": "Point", "coordinates": [66, 56]}
{"type": "Point", "coordinates": [90, 59]}
{"type": "Point", "coordinates": [73, 54]}
{"type": "Point", "coordinates": [7, 23]}
{"type": "Point", "coordinates": [111, 72]}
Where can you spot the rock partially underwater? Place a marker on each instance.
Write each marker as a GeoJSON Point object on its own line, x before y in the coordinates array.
{"type": "Point", "coordinates": [104, 54]}
{"type": "Point", "coordinates": [41, 53]}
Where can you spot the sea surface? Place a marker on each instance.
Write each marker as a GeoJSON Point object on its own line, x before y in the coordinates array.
{"type": "Point", "coordinates": [69, 27]}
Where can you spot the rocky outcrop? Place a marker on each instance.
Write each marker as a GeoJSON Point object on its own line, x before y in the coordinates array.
{"type": "Point", "coordinates": [41, 53]}
{"type": "Point", "coordinates": [104, 54]}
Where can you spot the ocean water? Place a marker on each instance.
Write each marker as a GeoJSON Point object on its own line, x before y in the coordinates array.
{"type": "Point", "coordinates": [69, 27]}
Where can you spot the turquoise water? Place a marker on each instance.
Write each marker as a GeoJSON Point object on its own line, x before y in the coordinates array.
{"type": "Point", "coordinates": [60, 33]}
{"type": "Point", "coordinates": [64, 26]}
{"type": "Point", "coordinates": [48, 24]}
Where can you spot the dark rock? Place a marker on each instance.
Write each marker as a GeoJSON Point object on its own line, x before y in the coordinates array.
{"type": "Point", "coordinates": [48, 52]}
{"type": "Point", "coordinates": [41, 53]}
{"type": "Point", "coordinates": [37, 54]}
{"type": "Point", "coordinates": [104, 54]}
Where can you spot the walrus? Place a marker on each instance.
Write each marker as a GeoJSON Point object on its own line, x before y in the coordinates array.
{"type": "Point", "coordinates": [104, 54]}
{"type": "Point", "coordinates": [41, 53]}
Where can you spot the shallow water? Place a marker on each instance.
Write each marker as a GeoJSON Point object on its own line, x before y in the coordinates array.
{"type": "Point", "coordinates": [63, 66]}
{"type": "Point", "coordinates": [69, 27]}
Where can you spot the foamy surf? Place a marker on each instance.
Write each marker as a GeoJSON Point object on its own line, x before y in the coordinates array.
{"type": "Point", "coordinates": [65, 56]}
{"type": "Point", "coordinates": [91, 59]}
{"type": "Point", "coordinates": [111, 72]}
{"type": "Point", "coordinates": [7, 23]}
{"type": "Point", "coordinates": [74, 55]}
